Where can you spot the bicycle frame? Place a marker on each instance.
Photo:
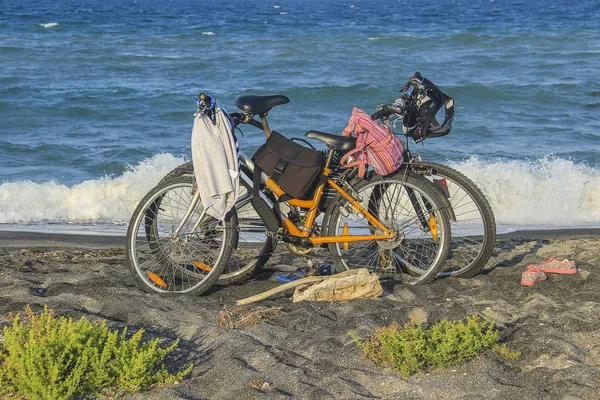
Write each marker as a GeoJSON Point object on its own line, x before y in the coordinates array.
{"type": "Point", "coordinates": [303, 233]}
{"type": "Point", "coordinates": [312, 206]}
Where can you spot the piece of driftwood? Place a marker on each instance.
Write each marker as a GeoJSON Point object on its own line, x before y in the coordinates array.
{"type": "Point", "coordinates": [361, 285]}
{"type": "Point", "coordinates": [308, 281]}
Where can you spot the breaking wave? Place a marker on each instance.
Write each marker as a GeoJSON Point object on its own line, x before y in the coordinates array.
{"type": "Point", "coordinates": [107, 199]}
{"type": "Point", "coordinates": [547, 192]}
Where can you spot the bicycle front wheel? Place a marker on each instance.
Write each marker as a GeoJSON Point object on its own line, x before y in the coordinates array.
{"type": "Point", "coordinates": [472, 224]}
{"type": "Point", "coordinates": [408, 205]}
{"type": "Point", "coordinates": [254, 247]}
{"type": "Point", "coordinates": [175, 247]}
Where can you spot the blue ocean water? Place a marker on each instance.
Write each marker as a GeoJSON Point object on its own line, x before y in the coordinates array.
{"type": "Point", "coordinates": [96, 96]}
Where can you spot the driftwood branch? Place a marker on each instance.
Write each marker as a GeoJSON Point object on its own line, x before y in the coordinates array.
{"type": "Point", "coordinates": [311, 280]}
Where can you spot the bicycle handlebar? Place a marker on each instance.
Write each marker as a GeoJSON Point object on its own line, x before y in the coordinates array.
{"type": "Point", "coordinates": [382, 111]}
{"type": "Point", "coordinates": [401, 104]}
{"type": "Point", "coordinates": [398, 108]}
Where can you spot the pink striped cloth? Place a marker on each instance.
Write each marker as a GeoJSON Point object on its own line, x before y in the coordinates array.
{"type": "Point", "coordinates": [375, 146]}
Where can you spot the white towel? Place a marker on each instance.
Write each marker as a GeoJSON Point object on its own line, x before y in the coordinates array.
{"type": "Point", "coordinates": [216, 167]}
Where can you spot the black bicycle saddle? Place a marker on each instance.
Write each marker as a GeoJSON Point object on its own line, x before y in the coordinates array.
{"type": "Point", "coordinates": [253, 104]}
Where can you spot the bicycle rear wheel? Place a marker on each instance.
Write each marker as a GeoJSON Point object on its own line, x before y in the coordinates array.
{"type": "Point", "coordinates": [473, 228]}
{"type": "Point", "coordinates": [405, 203]}
{"type": "Point", "coordinates": [254, 247]}
{"type": "Point", "coordinates": [172, 245]}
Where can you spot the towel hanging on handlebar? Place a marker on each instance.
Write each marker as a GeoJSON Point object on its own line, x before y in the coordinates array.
{"type": "Point", "coordinates": [215, 159]}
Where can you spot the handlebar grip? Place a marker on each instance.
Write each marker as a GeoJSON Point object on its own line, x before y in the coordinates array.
{"type": "Point", "coordinates": [203, 98]}
{"type": "Point", "coordinates": [206, 100]}
{"type": "Point", "coordinates": [383, 112]}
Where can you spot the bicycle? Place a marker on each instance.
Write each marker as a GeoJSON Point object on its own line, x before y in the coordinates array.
{"type": "Point", "coordinates": [473, 225]}
{"type": "Point", "coordinates": [173, 247]}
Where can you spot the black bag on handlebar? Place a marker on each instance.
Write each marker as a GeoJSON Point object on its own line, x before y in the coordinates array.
{"type": "Point", "coordinates": [295, 168]}
{"type": "Point", "coordinates": [420, 122]}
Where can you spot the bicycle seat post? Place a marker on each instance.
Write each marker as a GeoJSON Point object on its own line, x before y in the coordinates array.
{"type": "Point", "coordinates": [329, 158]}
{"type": "Point", "coordinates": [265, 124]}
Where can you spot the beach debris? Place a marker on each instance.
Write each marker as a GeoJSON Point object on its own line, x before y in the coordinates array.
{"type": "Point", "coordinates": [359, 284]}
{"type": "Point", "coordinates": [420, 315]}
{"type": "Point", "coordinates": [20, 267]}
{"type": "Point", "coordinates": [243, 317]}
{"type": "Point", "coordinates": [362, 285]}
{"type": "Point", "coordinates": [259, 384]}
{"type": "Point", "coordinates": [584, 274]}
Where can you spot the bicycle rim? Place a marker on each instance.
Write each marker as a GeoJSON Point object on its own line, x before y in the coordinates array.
{"type": "Point", "coordinates": [167, 262]}
{"type": "Point", "coordinates": [474, 227]}
{"type": "Point", "coordinates": [403, 206]}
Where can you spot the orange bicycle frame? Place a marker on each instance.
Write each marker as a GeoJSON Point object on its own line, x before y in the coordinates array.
{"type": "Point", "coordinates": [313, 206]}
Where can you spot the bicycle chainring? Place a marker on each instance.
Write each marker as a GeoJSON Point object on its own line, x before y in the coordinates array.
{"type": "Point", "coordinates": [300, 250]}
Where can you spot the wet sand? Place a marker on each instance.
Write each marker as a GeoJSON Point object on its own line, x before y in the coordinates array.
{"type": "Point", "coordinates": [306, 352]}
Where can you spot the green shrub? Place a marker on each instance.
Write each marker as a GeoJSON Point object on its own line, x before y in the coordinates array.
{"type": "Point", "coordinates": [44, 357]}
{"type": "Point", "coordinates": [505, 352]}
{"type": "Point", "coordinates": [412, 348]}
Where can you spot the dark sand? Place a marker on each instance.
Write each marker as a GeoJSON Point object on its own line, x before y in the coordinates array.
{"type": "Point", "coordinates": [306, 351]}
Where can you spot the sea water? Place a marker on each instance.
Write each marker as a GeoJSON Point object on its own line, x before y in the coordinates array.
{"type": "Point", "coordinates": [96, 96]}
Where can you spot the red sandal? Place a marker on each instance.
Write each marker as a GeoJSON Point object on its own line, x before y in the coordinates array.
{"type": "Point", "coordinates": [530, 277]}
{"type": "Point", "coordinates": [555, 266]}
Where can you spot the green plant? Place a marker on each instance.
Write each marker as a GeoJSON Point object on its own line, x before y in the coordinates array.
{"type": "Point", "coordinates": [44, 357]}
{"type": "Point", "coordinates": [505, 352]}
{"type": "Point", "coordinates": [412, 348]}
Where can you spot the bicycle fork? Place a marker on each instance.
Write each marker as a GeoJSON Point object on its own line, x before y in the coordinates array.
{"type": "Point", "coordinates": [188, 213]}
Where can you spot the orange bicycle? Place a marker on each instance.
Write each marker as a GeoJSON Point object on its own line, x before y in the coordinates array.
{"type": "Point", "coordinates": [174, 247]}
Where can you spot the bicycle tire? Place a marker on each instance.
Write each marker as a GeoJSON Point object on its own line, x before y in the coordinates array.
{"type": "Point", "coordinates": [467, 257]}
{"type": "Point", "coordinates": [183, 169]}
{"type": "Point", "coordinates": [415, 243]}
{"type": "Point", "coordinates": [241, 266]}
{"type": "Point", "coordinates": [188, 262]}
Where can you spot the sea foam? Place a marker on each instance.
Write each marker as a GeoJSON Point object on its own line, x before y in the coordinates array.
{"type": "Point", "coordinates": [49, 25]}
{"type": "Point", "coordinates": [107, 199]}
{"type": "Point", "coordinates": [549, 191]}
{"type": "Point", "coordinates": [545, 192]}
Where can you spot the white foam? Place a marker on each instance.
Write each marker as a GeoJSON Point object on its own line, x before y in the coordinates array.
{"type": "Point", "coordinates": [49, 25]}
{"type": "Point", "coordinates": [283, 13]}
{"type": "Point", "coordinates": [548, 192]}
{"type": "Point", "coordinates": [107, 199]}
{"type": "Point", "coordinates": [208, 33]}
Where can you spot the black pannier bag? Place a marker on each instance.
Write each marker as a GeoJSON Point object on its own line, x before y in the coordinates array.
{"type": "Point", "coordinates": [295, 168]}
{"type": "Point", "coordinates": [420, 122]}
